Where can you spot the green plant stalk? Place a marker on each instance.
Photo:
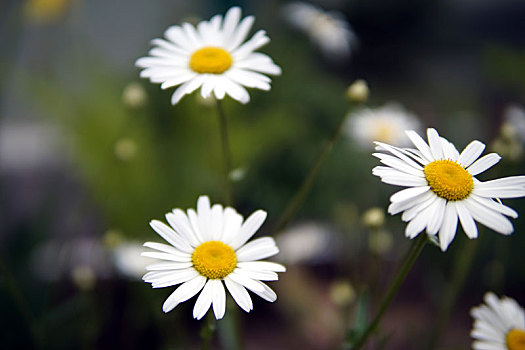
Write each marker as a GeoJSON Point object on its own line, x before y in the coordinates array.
{"type": "Point", "coordinates": [208, 330]}
{"type": "Point", "coordinates": [298, 199]}
{"type": "Point", "coordinates": [408, 261]}
{"type": "Point", "coordinates": [463, 262]}
{"type": "Point", "coordinates": [223, 125]}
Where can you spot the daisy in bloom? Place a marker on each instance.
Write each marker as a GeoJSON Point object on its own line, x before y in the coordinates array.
{"type": "Point", "coordinates": [385, 124]}
{"type": "Point", "coordinates": [328, 30]}
{"type": "Point", "coordinates": [207, 249]}
{"type": "Point", "coordinates": [499, 324]}
{"type": "Point", "coordinates": [213, 56]}
{"type": "Point", "coordinates": [442, 187]}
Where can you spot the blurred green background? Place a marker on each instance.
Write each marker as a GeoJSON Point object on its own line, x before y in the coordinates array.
{"type": "Point", "coordinates": [90, 153]}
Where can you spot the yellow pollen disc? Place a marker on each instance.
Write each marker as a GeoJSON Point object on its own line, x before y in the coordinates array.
{"type": "Point", "coordinates": [209, 59]}
{"type": "Point", "coordinates": [448, 179]}
{"type": "Point", "coordinates": [515, 339]}
{"type": "Point", "coordinates": [214, 259]}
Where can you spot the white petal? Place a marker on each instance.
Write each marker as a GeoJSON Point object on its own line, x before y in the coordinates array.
{"type": "Point", "coordinates": [471, 153]}
{"type": "Point", "coordinates": [232, 224]}
{"type": "Point", "coordinates": [203, 303]}
{"type": "Point", "coordinates": [395, 208]}
{"type": "Point", "coordinates": [204, 217]}
{"type": "Point", "coordinates": [483, 163]}
{"type": "Point", "coordinates": [231, 20]}
{"type": "Point", "coordinates": [259, 248]}
{"type": "Point", "coordinates": [267, 293]}
{"type": "Point", "coordinates": [421, 145]}
{"type": "Point", "coordinates": [179, 221]}
{"type": "Point", "coordinates": [169, 235]}
{"type": "Point", "coordinates": [246, 78]}
{"type": "Point", "coordinates": [258, 275]}
{"type": "Point", "coordinates": [216, 222]}
{"type": "Point", "coordinates": [162, 279]}
{"type": "Point", "coordinates": [235, 91]}
{"type": "Point", "coordinates": [489, 218]}
{"type": "Point", "coordinates": [413, 211]}
{"type": "Point", "coordinates": [184, 292]}
{"type": "Point", "coordinates": [467, 222]}
{"type": "Point", "coordinates": [219, 299]}
{"type": "Point", "coordinates": [496, 206]}
{"type": "Point", "coordinates": [248, 228]}
{"type": "Point", "coordinates": [166, 256]}
{"type": "Point", "coordinates": [408, 193]}
{"type": "Point", "coordinates": [450, 223]}
{"type": "Point", "coordinates": [239, 294]}
{"type": "Point", "coordinates": [239, 34]}
{"type": "Point", "coordinates": [262, 266]}
{"type": "Point", "coordinates": [167, 249]}
{"type": "Point", "coordinates": [187, 88]}
{"type": "Point", "coordinates": [434, 142]}
{"type": "Point", "coordinates": [246, 282]}
{"type": "Point", "coordinates": [437, 212]}
{"type": "Point", "coordinates": [194, 222]}
{"type": "Point", "coordinates": [169, 266]}
{"type": "Point", "coordinates": [257, 40]}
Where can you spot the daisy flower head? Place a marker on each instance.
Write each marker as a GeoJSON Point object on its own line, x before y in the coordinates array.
{"type": "Point", "coordinates": [442, 187]}
{"type": "Point", "coordinates": [385, 124]}
{"type": "Point", "coordinates": [327, 30]}
{"type": "Point", "coordinates": [207, 250]}
{"type": "Point", "coordinates": [499, 324]}
{"type": "Point", "coordinates": [213, 56]}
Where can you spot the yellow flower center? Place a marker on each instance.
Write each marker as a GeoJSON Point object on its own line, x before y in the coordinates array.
{"type": "Point", "coordinates": [210, 59]}
{"type": "Point", "coordinates": [515, 339]}
{"type": "Point", "coordinates": [214, 259]}
{"type": "Point", "coordinates": [448, 179]}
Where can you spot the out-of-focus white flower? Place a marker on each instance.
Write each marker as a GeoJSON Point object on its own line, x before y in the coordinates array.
{"type": "Point", "coordinates": [128, 261]}
{"type": "Point", "coordinates": [40, 11]}
{"type": "Point", "coordinates": [499, 324]}
{"type": "Point", "coordinates": [209, 249]}
{"type": "Point", "coordinates": [125, 149]}
{"type": "Point", "coordinates": [30, 145]}
{"type": "Point", "coordinates": [380, 241]}
{"type": "Point", "coordinates": [81, 259]}
{"type": "Point", "coordinates": [514, 123]}
{"type": "Point", "coordinates": [384, 124]}
{"type": "Point", "coordinates": [213, 56]}
{"type": "Point", "coordinates": [442, 188]}
{"type": "Point", "coordinates": [374, 217]}
{"type": "Point", "coordinates": [304, 243]}
{"type": "Point", "coordinates": [358, 91]}
{"type": "Point", "coordinates": [342, 293]}
{"type": "Point", "coordinates": [328, 30]}
{"type": "Point", "coordinates": [134, 95]}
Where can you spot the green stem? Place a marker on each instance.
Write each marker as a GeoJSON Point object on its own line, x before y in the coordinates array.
{"type": "Point", "coordinates": [408, 261]}
{"type": "Point", "coordinates": [462, 264]}
{"type": "Point", "coordinates": [223, 124]}
{"type": "Point", "coordinates": [297, 200]}
{"type": "Point", "coordinates": [208, 330]}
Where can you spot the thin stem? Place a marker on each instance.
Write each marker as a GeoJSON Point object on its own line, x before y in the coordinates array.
{"type": "Point", "coordinates": [208, 330]}
{"type": "Point", "coordinates": [408, 261]}
{"type": "Point", "coordinates": [298, 199]}
{"type": "Point", "coordinates": [223, 124]}
{"type": "Point", "coordinates": [462, 264]}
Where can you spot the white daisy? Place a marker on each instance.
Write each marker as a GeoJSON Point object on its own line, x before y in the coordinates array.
{"type": "Point", "coordinates": [499, 324]}
{"type": "Point", "coordinates": [208, 248]}
{"type": "Point", "coordinates": [385, 124]}
{"type": "Point", "coordinates": [442, 187]}
{"type": "Point", "coordinates": [212, 56]}
{"type": "Point", "coordinates": [328, 30]}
